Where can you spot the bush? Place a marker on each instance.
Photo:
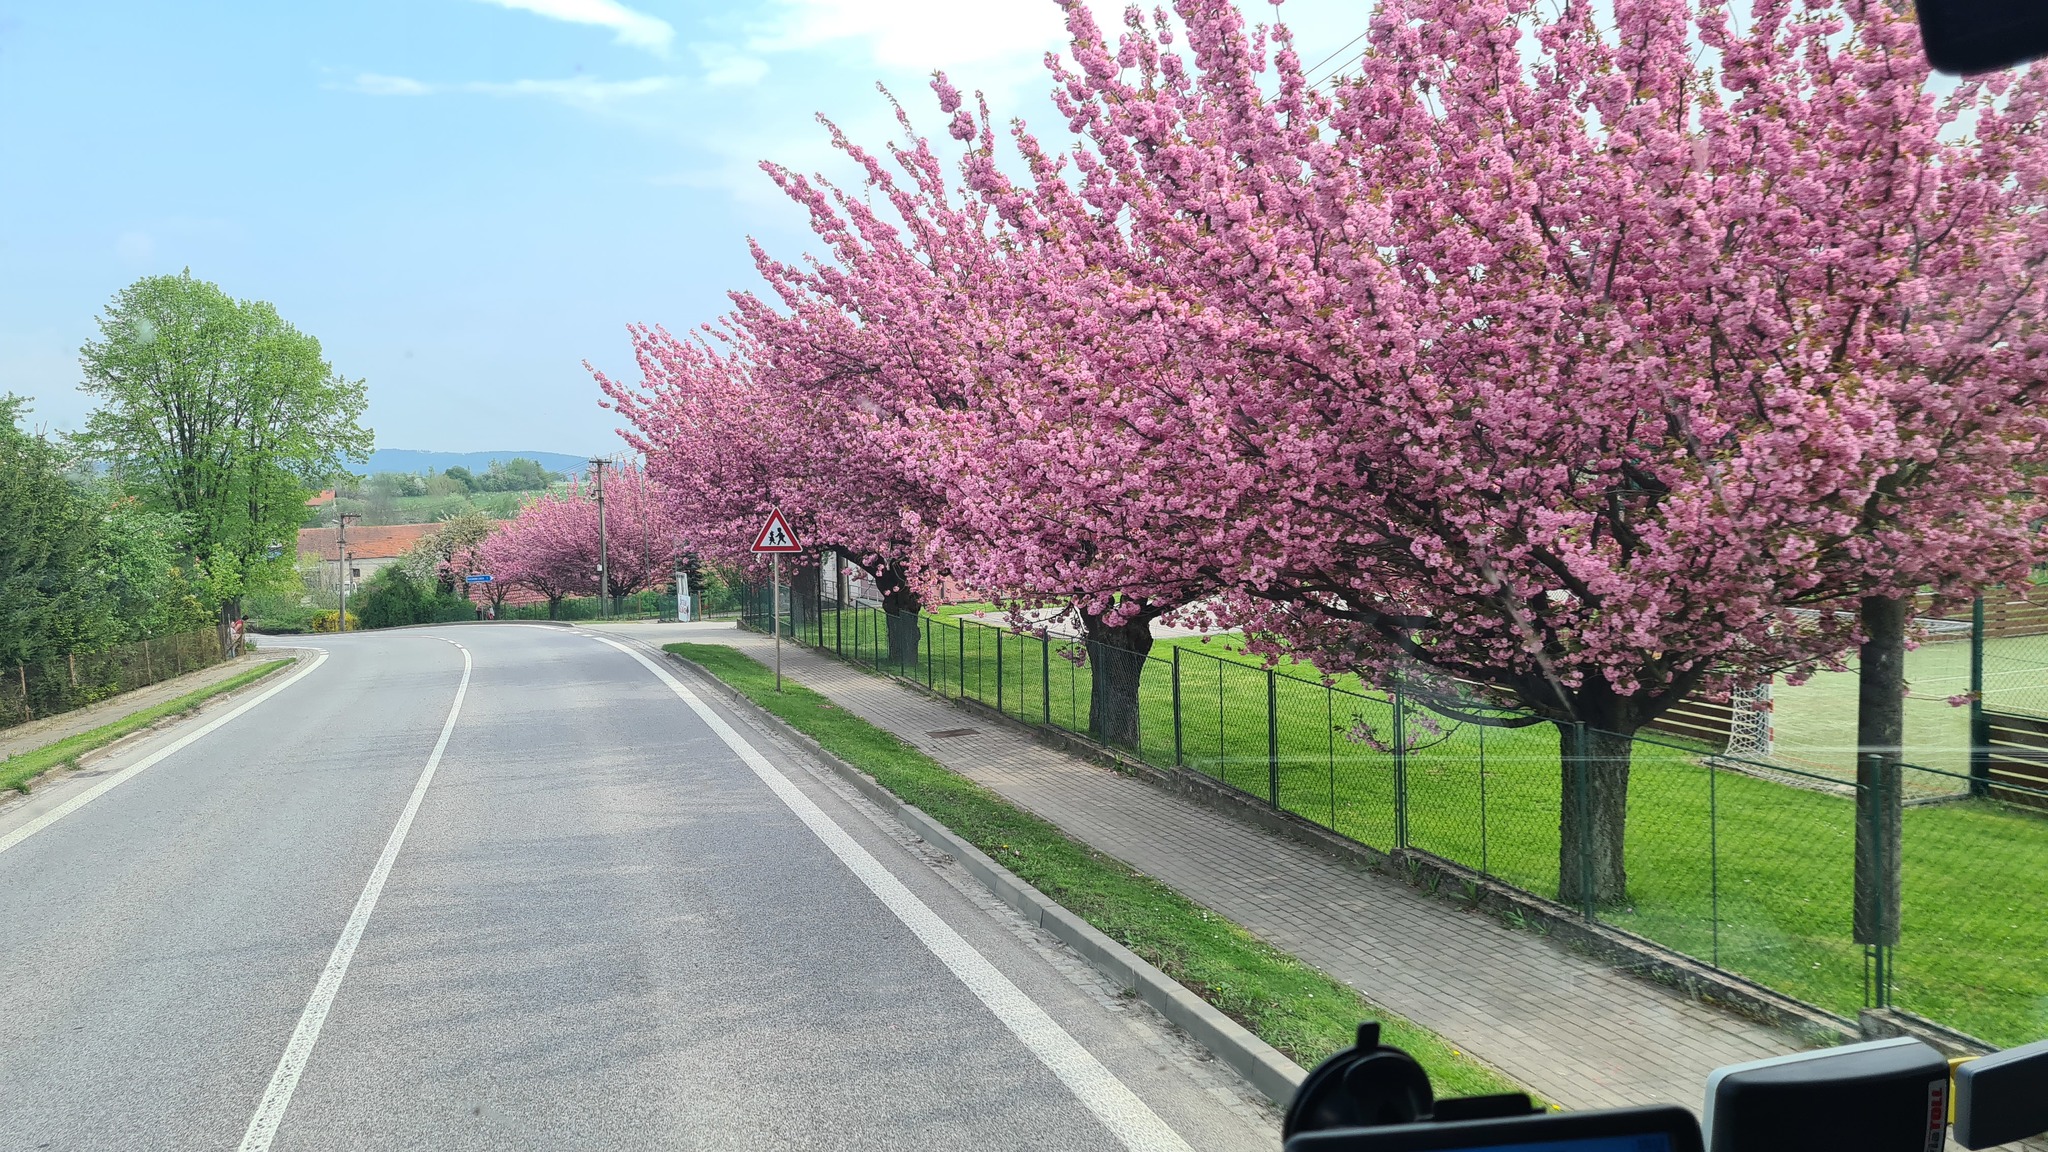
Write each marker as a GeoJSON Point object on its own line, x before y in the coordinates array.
{"type": "Point", "coordinates": [393, 599]}
{"type": "Point", "coordinates": [325, 621]}
{"type": "Point", "coordinates": [291, 606]}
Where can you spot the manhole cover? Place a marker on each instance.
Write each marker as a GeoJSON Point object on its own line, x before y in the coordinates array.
{"type": "Point", "coordinates": [949, 733]}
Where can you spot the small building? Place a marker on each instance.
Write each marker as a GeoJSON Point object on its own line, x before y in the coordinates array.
{"type": "Point", "coordinates": [368, 548]}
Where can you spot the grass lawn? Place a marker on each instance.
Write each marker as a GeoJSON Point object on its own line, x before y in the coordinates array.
{"type": "Point", "coordinates": [1748, 874]}
{"type": "Point", "coordinates": [17, 771]}
{"type": "Point", "coordinates": [1291, 1006]}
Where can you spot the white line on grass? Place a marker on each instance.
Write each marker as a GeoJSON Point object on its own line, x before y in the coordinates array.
{"type": "Point", "coordinates": [283, 1082]}
{"type": "Point", "coordinates": [100, 789]}
{"type": "Point", "coordinates": [1130, 1119]}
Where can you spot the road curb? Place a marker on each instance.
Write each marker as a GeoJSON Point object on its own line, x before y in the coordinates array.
{"type": "Point", "coordinates": [1270, 1072]}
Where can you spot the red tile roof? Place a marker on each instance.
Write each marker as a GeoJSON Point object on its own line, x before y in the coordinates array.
{"type": "Point", "coordinates": [365, 542]}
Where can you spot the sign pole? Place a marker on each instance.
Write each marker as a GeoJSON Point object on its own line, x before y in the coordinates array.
{"type": "Point", "coordinates": [775, 538]}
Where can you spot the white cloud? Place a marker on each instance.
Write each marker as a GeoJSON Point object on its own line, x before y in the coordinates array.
{"type": "Point", "coordinates": [724, 64]}
{"type": "Point", "coordinates": [376, 84]}
{"type": "Point", "coordinates": [635, 29]}
{"type": "Point", "coordinates": [580, 90]}
{"type": "Point", "coordinates": [919, 34]}
{"type": "Point", "coordinates": [136, 247]}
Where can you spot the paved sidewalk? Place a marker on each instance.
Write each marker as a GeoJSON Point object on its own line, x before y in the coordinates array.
{"type": "Point", "coordinates": [1576, 1031]}
{"type": "Point", "coordinates": [42, 733]}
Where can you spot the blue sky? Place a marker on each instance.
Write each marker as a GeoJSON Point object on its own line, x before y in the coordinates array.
{"type": "Point", "coordinates": [463, 199]}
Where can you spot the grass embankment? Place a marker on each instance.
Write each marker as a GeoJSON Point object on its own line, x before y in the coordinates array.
{"type": "Point", "coordinates": [17, 771]}
{"type": "Point", "coordinates": [1744, 873]}
{"type": "Point", "coordinates": [1288, 1004]}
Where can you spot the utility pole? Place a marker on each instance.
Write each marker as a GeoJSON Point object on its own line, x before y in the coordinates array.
{"type": "Point", "coordinates": [341, 559]}
{"type": "Point", "coordinates": [604, 585]}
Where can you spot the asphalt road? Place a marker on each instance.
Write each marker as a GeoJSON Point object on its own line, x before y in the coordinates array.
{"type": "Point", "coordinates": [505, 887]}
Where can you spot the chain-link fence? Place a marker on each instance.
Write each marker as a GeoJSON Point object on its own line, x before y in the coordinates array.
{"type": "Point", "coordinates": [34, 691]}
{"type": "Point", "coordinates": [1746, 865]}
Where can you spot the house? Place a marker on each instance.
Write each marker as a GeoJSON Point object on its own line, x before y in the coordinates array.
{"type": "Point", "coordinates": [368, 548]}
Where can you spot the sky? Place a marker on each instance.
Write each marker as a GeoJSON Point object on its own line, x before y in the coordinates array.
{"type": "Point", "coordinates": [463, 200]}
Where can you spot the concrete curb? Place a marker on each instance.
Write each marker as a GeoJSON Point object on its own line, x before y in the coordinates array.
{"type": "Point", "coordinates": [1274, 1075]}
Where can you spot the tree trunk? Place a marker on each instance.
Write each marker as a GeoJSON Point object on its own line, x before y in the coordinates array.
{"type": "Point", "coordinates": [1593, 817]}
{"type": "Point", "coordinates": [554, 607]}
{"type": "Point", "coordinates": [1116, 666]}
{"type": "Point", "coordinates": [901, 607]}
{"type": "Point", "coordinates": [1880, 733]}
{"type": "Point", "coordinates": [804, 588]}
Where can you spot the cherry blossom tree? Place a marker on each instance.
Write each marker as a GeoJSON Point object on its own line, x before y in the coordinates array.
{"type": "Point", "coordinates": [1544, 357]}
{"type": "Point", "coordinates": [1550, 361]}
{"type": "Point", "coordinates": [551, 547]}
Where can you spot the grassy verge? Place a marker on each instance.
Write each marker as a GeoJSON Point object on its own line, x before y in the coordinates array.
{"type": "Point", "coordinates": [1286, 1003]}
{"type": "Point", "coordinates": [17, 771]}
{"type": "Point", "coordinates": [1746, 874]}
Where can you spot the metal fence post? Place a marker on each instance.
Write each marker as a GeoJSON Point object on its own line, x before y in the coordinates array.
{"type": "Point", "coordinates": [1400, 767]}
{"type": "Point", "coordinates": [924, 623]}
{"type": "Point", "coordinates": [1881, 954]}
{"type": "Point", "coordinates": [1045, 677]}
{"type": "Point", "coordinates": [1714, 859]}
{"type": "Point", "coordinates": [1176, 707]}
{"type": "Point", "coordinates": [839, 627]}
{"type": "Point", "coordinates": [962, 626]}
{"type": "Point", "coordinates": [1980, 727]}
{"type": "Point", "coordinates": [1484, 870]}
{"type": "Point", "coordinates": [999, 670]}
{"type": "Point", "coordinates": [1272, 736]}
{"type": "Point", "coordinates": [1582, 788]}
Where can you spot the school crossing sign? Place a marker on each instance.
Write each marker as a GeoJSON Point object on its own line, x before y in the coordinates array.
{"type": "Point", "coordinates": [775, 536]}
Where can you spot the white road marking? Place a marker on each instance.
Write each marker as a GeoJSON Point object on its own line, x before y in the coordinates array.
{"type": "Point", "coordinates": [1130, 1119]}
{"type": "Point", "coordinates": [283, 1082]}
{"type": "Point", "coordinates": [100, 789]}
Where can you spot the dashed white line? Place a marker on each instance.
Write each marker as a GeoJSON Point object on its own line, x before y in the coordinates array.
{"type": "Point", "coordinates": [283, 1082]}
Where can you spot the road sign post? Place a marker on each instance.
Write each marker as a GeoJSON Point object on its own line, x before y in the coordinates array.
{"type": "Point", "coordinates": [775, 538]}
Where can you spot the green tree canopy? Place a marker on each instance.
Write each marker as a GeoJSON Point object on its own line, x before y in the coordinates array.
{"type": "Point", "coordinates": [49, 540]}
{"type": "Point", "coordinates": [221, 412]}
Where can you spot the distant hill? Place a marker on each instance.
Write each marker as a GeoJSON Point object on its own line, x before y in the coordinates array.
{"type": "Point", "coordinates": [413, 460]}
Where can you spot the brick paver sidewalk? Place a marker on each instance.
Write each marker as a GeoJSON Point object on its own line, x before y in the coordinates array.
{"type": "Point", "coordinates": [1576, 1031]}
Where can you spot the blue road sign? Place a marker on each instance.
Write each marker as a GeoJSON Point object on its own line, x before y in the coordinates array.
{"type": "Point", "coordinates": [477, 578]}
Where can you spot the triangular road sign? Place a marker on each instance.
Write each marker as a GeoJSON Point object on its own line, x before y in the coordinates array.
{"type": "Point", "coordinates": [775, 535]}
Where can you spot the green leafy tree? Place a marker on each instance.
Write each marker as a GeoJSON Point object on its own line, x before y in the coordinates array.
{"type": "Point", "coordinates": [221, 412]}
{"type": "Point", "coordinates": [50, 588]}
{"type": "Point", "coordinates": [146, 588]}
{"type": "Point", "coordinates": [444, 556]}
{"type": "Point", "coordinates": [518, 474]}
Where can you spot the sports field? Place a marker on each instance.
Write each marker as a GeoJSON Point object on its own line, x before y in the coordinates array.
{"type": "Point", "coordinates": [1816, 721]}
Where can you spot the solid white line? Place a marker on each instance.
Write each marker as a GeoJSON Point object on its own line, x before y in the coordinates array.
{"type": "Point", "coordinates": [100, 789]}
{"type": "Point", "coordinates": [283, 1082]}
{"type": "Point", "coordinates": [1130, 1119]}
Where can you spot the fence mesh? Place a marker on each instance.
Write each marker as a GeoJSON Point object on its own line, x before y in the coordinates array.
{"type": "Point", "coordinates": [33, 691]}
{"type": "Point", "coordinates": [1747, 865]}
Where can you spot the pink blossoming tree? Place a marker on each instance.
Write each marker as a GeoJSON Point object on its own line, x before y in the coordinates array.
{"type": "Point", "coordinates": [1547, 360]}
{"type": "Point", "coordinates": [551, 547]}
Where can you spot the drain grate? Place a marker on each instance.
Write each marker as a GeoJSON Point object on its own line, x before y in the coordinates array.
{"type": "Point", "coordinates": [950, 733]}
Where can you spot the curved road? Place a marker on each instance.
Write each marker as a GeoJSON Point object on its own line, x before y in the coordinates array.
{"type": "Point", "coordinates": [584, 909]}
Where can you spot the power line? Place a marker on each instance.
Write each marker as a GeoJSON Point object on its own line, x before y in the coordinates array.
{"type": "Point", "coordinates": [1333, 55]}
